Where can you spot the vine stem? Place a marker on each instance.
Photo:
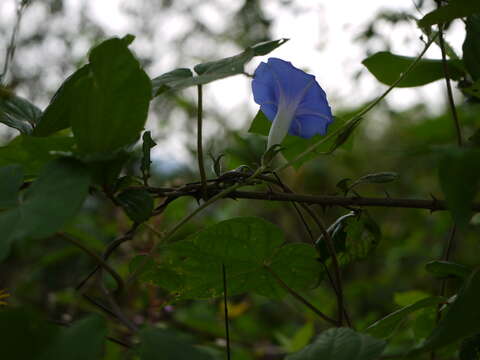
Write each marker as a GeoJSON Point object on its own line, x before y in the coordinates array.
{"type": "Point", "coordinates": [225, 308]}
{"type": "Point", "coordinates": [201, 165]}
{"type": "Point", "coordinates": [363, 112]}
{"type": "Point", "coordinates": [443, 287]}
{"type": "Point", "coordinates": [187, 218]}
{"type": "Point", "coordinates": [458, 130]}
{"type": "Point", "coordinates": [451, 101]}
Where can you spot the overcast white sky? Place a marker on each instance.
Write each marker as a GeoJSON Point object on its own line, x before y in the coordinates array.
{"type": "Point", "coordinates": [321, 42]}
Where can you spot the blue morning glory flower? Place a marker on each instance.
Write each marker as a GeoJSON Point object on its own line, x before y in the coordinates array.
{"type": "Point", "coordinates": [291, 99]}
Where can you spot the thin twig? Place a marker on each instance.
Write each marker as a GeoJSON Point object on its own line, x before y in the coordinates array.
{"type": "Point", "coordinates": [103, 264]}
{"type": "Point", "coordinates": [115, 307]}
{"type": "Point", "coordinates": [109, 251]}
{"type": "Point", "coordinates": [225, 308]}
{"type": "Point", "coordinates": [101, 306]}
{"type": "Point", "coordinates": [11, 46]}
{"type": "Point", "coordinates": [447, 253]}
{"type": "Point", "coordinates": [114, 313]}
{"type": "Point", "coordinates": [201, 165]}
{"type": "Point", "coordinates": [445, 257]}
{"type": "Point", "coordinates": [301, 298]}
{"type": "Point", "coordinates": [336, 269]}
{"type": "Point", "coordinates": [153, 230]}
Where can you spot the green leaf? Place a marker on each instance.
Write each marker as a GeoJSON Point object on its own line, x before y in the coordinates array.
{"type": "Point", "coordinates": [388, 67]}
{"type": "Point", "coordinates": [461, 320]}
{"type": "Point", "coordinates": [473, 90]}
{"type": "Point", "coordinates": [58, 114]}
{"type": "Point", "coordinates": [386, 326]}
{"type": "Point", "coordinates": [137, 203]}
{"type": "Point", "coordinates": [54, 198]}
{"type": "Point", "coordinates": [11, 178]}
{"type": "Point", "coordinates": [302, 337]}
{"type": "Point", "coordinates": [405, 298]}
{"type": "Point", "coordinates": [345, 134]}
{"type": "Point", "coordinates": [17, 112]}
{"type": "Point", "coordinates": [162, 344]}
{"type": "Point", "coordinates": [33, 153]}
{"type": "Point", "coordinates": [471, 47]}
{"type": "Point", "coordinates": [47, 205]}
{"type": "Point", "coordinates": [147, 146]}
{"type": "Point", "coordinates": [459, 175]}
{"type": "Point", "coordinates": [270, 154]}
{"type": "Point", "coordinates": [341, 344]}
{"type": "Point", "coordinates": [452, 10]}
{"type": "Point", "coordinates": [25, 335]}
{"type": "Point", "coordinates": [260, 124]}
{"type": "Point", "coordinates": [111, 100]}
{"type": "Point", "coordinates": [254, 255]}
{"type": "Point", "coordinates": [9, 221]}
{"type": "Point", "coordinates": [266, 47]}
{"type": "Point", "coordinates": [445, 269]}
{"type": "Point", "coordinates": [363, 237]}
{"type": "Point", "coordinates": [210, 71]}
{"type": "Point", "coordinates": [141, 264]}
{"type": "Point", "coordinates": [377, 178]}
{"type": "Point", "coordinates": [83, 340]}
{"type": "Point", "coordinates": [172, 80]}
{"type": "Point", "coordinates": [424, 322]}
{"type": "Point", "coordinates": [106, 172]}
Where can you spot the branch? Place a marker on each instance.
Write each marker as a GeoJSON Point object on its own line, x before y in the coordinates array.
{"type": "Point", "coordinates": [201, 165]}
{"type": "Point", "coordinates": [432, 205]}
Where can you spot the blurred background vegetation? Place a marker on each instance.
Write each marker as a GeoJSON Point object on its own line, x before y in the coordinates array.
{"type": "Point", "coordinates": [42, 275]}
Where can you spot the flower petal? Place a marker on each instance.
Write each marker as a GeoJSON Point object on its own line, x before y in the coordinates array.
{"type": "Point", "coordinates": [292, 81]}
{"type": "Point", "coordinates": [315, 101]}
{"type": "Point", "coordinates": [265, 88]}
{"type": "Point", "coordinates": [292, 98]}
{"type": "Point", "coordinates": [270, 110]}
{"type": "Point", "coordinates": [307, 126]}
